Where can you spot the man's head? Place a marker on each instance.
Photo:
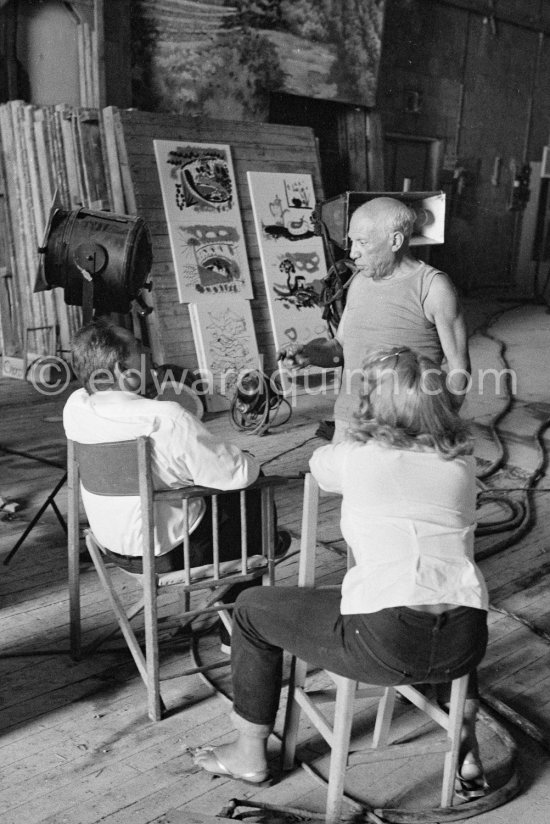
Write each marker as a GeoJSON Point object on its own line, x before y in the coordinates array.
{"type": "Point", "coordinates": [379, 231]}
{"type": "Point", "coordinates": [106, 356]}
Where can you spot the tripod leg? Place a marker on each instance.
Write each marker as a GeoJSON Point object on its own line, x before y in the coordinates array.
{"type": "Point", "coordinates": [60, 517]}
{"type": "Point", "coordinates": [48, 502]}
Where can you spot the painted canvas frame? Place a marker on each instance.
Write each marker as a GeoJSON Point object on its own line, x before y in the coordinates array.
{"type": "Point", "coordinates": [199, 194]}
{"type": "Point", "coordinates": [292, 256]}
{"type": "Point", "coordinates": [226, 346]}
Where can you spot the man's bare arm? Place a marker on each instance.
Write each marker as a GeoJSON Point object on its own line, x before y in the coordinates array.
{"type": "Point", "coordinates": [317, 352]}
{"type": "Point", "coordinates": [442, 307]}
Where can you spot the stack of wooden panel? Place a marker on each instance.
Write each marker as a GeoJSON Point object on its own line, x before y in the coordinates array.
{"type": "Point", "coordinates": [43, 149]}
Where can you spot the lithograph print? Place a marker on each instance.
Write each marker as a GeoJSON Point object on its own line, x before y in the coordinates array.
{"type": "Point", "coordinates": [292, 255]}
{"type": "Point", "coordinates": [226, 347]}
{"type": "Point", "coordinates": [204, 222]}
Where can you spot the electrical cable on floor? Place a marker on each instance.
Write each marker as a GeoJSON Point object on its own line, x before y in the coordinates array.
{"type": "Point", "coordinates": [296, 813]}
{"type": "Point", "coordinates": [518, 720]}
{"type": "Point", "coordinates": [516, 515]}
{"type": "Point", "coordinates": [520, 520]}
{"type": "Point", "coordinates": [259, 422]}
{"type": "Point", "coordinates": [528, 519]}
{"type": "Point", "coordinates": [256, 404]}
{"type": "Point", "coordinates": [286, 451]}
{"type": "Point", "coordinates": [493, 424]}
{"type": "Point", "coordinates": [525, 621]}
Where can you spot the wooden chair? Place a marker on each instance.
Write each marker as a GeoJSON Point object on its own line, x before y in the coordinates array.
{"type": "Point", "coordinates": [338, 734]}
{"type": "Point", "coordinates": [124, 468]}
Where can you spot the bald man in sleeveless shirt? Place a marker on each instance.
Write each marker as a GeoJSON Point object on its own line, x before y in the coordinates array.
{"type": "Point", "coordinates": [393, 299]}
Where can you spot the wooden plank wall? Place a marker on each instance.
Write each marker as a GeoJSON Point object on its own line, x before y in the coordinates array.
{"type": "Point", "coordinates": [258, 147]}
{"type": "Point", "coordinates": [486, 95]}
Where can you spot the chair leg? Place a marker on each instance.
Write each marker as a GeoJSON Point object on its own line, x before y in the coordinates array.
{"type": "Point", "coordinates": [211, 605]}
{"type": "Point", "coordinates": [99, 640]}
{"type": "Point", "coordinates": [74, 595]}
{"type": "Point", "coordinates": [297, 680]}
{"type": "Point", "coordinates": [73, 549]}
{"type": "Point", "coordinates": [456, 716]}
{"type": "Point", "coordinates": [306, 577]}
{"type": "Point", "coordinates": [225, 618]}
{"type": "Point", "coordinates": [155, 711]}
{"type": "Point", "coordinates": [152, 657]}
{"type": "Point", "coordinates": [343, 718]}
{"type": "Point", "coordinates": [384, 718]}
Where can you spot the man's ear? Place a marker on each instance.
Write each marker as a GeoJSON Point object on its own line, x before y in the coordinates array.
{"type": "Point", "coordinates": [119, 370]}
{"type": "Point", "coordinates": [125, 378]}
{"type": "Point", "coordinates": [121, 378]}
{"type": "Point", "coordinates": [398, 240]}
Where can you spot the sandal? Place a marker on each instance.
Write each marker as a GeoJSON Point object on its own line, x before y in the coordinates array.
{"type": "Point", "coordinates": [469, 788]}
{"type": "Point", "coordinates": [217, 767]}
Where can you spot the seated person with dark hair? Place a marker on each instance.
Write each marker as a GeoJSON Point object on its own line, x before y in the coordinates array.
{"type": "Point", "coordinates": [107, 360]}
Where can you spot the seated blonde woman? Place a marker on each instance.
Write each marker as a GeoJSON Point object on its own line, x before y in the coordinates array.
{"type": "Point", "coordinates": [413, 609]}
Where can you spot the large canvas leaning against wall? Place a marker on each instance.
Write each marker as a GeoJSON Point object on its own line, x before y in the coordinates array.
{"type": "Point", "coordinates": [204, 221]}
{"type": "Point", "coordinates": [325, 49]}
{"type": "Point", "coordinates": [292, 255]}
{"type": "Point", "coordinates": [226, 347]}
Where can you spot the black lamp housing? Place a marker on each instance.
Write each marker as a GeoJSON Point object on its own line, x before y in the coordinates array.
{"type": "Point", "coordinates": [96, 257]}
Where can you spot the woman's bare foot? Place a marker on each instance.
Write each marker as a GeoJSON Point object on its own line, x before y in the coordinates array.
{"type": "Point", "coordinates": [470, 767]}
{"type": "Point", "coordinates": [245, 759]}
{"type": "Point", "coordinates": [470, 776]}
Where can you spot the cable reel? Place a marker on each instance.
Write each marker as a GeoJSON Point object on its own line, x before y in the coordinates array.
{"type": "Point", "coordinates": [256, 403]}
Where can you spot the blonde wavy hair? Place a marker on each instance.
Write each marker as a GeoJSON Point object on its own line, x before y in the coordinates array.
{"type": "Point", "coordinates": [406, 404]}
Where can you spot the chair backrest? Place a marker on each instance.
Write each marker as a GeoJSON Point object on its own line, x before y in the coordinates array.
{"type": "Point", "coordinates": [120, 468]}
{"type": "Point", "coordinates": [108, 468]}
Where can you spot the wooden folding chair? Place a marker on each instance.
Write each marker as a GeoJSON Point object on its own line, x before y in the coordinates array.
{"type": "Point", "coordinates": [124, 468]}
{"type": "Point", "coordinates": [338, 733]}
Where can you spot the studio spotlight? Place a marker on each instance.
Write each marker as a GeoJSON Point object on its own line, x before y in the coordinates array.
{"type": "Point", "coordinates": [100, 260]}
